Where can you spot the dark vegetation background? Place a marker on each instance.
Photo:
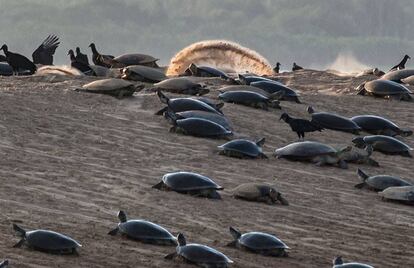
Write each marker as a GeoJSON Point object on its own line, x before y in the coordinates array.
{"type": "Point", "coordinates": [311, 32]}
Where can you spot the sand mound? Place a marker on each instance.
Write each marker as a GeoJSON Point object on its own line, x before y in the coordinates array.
{"type": "Point", "coordinates": [58, 70]}
{"type": "Point", "coordinates": [221, 54]}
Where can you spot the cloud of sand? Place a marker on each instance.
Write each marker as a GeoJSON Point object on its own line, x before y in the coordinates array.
{"type": "Point", "coordinates": [347, 63]}
{"type": "Point", "coordinates": [221, 54]}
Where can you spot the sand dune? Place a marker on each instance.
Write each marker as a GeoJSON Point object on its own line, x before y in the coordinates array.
{"type": "Point", "coordinates": [69, 161]}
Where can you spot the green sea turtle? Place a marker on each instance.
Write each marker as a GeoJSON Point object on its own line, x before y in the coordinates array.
{"type": "Point", "coordinates": [144, 231]}
{"type": "Point", "coordinates": [378, 125]}
{"type": "Point", "coordinates": [403, 194]}
{"type": "Point", "coordinates": [47, 241]}
{"type": "Point", "coordinates": [379, 182]}
{"type": "Point", "coordinates": [385, 89]}
{"type": "Point", "coordinates": [142, 73]}
{"type": "Point", "coordinates": [182, 85]}
{"type": "Point", "coordinates": [200, 255]}
{"type": "Point", "coordinates": [258, 242]}
{"type": "Point", "coordinates": [338, 263]}
{"type": "Point", "coordinates": [333, 121]}
{"type": "Point", "coordinates": [259, 192]}
{"type": "Point", "coordinates": [242, 148]}
{"type": "Point", "coordinates": [250, 98]}
{"type": "Point", "coordinates": [384, 144]}
{"type": "Point", "coordinates": [189, 183]}
{"type": "Point", "coordinates": [112, 86]}
{"type": "Point", "coordinates": [359, 156]}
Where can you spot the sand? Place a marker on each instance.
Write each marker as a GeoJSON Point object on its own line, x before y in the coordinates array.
{"type": "Point", "coordinates": [69, 161]}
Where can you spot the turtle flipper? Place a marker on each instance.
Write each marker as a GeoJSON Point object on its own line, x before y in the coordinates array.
{"type": "Point", "coordinates": [214, 195]}
{"type": "Point", "coordinates": [20, 243]}
{"type": "Point", "coordinates": [4, 264]}
{"type": "Point", "coordinates": [114, 231]}
{"type": "Point", "coordinates": [158, 185]}
{"type": "Point", "coordinates": [162, 111]}
{"type": "Point", "coordinates": [283, 200]}
{"type": "Point", "coordinates": [171, 256]}
{"type": "Point", "coordinates": [360, 185]}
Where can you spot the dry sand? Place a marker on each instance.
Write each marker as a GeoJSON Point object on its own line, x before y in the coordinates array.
{"type": "Point", "coordinates": [69, 161]}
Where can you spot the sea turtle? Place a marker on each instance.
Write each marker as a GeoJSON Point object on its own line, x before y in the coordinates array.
{"type": "Point", "coordinates": [200, 255]}
{"type": "Point", "coordinates": [398, 76]}
{"type": "Point", "coordinates": [372, 71]}
{"type": "Point", "coordinates": [248, 79]}
{"type": "Point", "coordinates": [260, 192]}
{"type": "Point", "coordinates": [315, 152]}
{"type": "Point", "coordinates": [182, 85]}
{"type": "Point", "coordinates": [112, 86]}
{"type": "Point", "coordinates": [136, 59]}
{"type": "Point", "coordinates": [384, 144]}
{"type": "Point", "coordinates": [47, 241]}
{"type": "Point", "coordinates": [143, 74]}
{"type": "Point", "coordinates": [199, 127]}
{"type": "Point", "coordinates": [206, 71]}
{"type": "Point", "coordinates": [379, 182]}
{"type": "Point", "coordinates": [189, 183]}
{"type": "Point", "coordinates": [404, 194]}
{"type": "Point", "coordinates": [250, 98]}
{"type": "Point", "coordinates": [216, 118]}
{"type": "Point", "coordinates": [338, 263]}
{"type": "Point", "coordinates": [258, 242]}
{"type": "Point", "coordinates": [242, 148]}
{"type": "Point", "coordinates": [244, 88]}
{"type": "Point", "coordinates": [385, 89]}
{"type": "Point", "coordinates": [409, 80]}
{"type": "Point", "coordinates": [378, 125]}
{"type": "Point", "coordinates": [144, 231]}
{"type": "Point", "coordinates": [184, 104]}
{"type": "Point", "coordinates": [210, 102]}
{"type": "Point", "coordinates": [4, 264]}
{"type": "Point", "coordinates": [333, 121]}
{"type": "Point", "coordinates": [359, 156]}
{"type": "Point", "coordinates": [273, 87]}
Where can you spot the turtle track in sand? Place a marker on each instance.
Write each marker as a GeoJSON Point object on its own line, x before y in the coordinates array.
{"type": "Point", "coordinates": [70, 161]}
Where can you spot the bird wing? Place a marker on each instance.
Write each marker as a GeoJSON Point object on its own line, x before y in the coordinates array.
{"type": "Point", "coordinates": [44, 53]}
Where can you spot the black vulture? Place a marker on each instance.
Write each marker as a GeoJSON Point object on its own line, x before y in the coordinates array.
{"type": "Point", "coordinates": [300, 126]}
{"type": "Point", "coordinates": [401, 65]}
{"type": "Point", "coordinates": [79, 65]}
{"type": "Point", "coordinates": [44, 53]}
{"type": "Point", "coordinates": [81, 57]}
{"type": "Point", "coordinates": [99, 59]}
{"type": "Point", "coordinates": [3, 58]}
{"type": "Point", "coordinates": [18, 62]}
{"type": "Point", "coordinates": [296, 67]}
{"type": "Point", "coordinates": [277, 67]}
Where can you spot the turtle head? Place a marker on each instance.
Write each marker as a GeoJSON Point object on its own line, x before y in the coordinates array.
{"type": "Point", "coordinates": [361, 89]}
{"type": "Point", "coordinates": [19, 230]}
{"type": "Point", "coordinates": [369, 149]}
{"type": "Point", "coordinates": [242, 79]}
{"type": "Point", "coordinates": [407, 57]}
{"type": "Point", "coordinates": [235, 233]}
{"type": "Point", "coordinates": [122, 216]}
{"type": "Point", "coordinates": [310, 110]}
{"type": "Point", "coordinates": [278, 64]}
{"type": "Point", "coordinates": [359, 142]}
{"type": "Point", "coordinates": [338, 261]}
{"type": "Point", "coordinates": [4, 264]}
{"type": "Point", "coordinates": [163, 98]}
{"type": "Point", "coordinates": [279, 197]}
{"type": "Point", "coordinates": [261, 142]}
{"type": "Point", "coordinates": [181, 240]}
{"type": "Point", "coordinates": [193, 68]}
{"type": "Point", "coordinates": [70, 52]}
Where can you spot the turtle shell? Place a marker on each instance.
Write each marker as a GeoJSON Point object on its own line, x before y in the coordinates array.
{"type": "Point", "coordinates": [385, 88]}
{"type": "Point", "coordinates": [261, 241]}
{"type": "Point", "coordinates": [352, 265]}
{"type": "Point", "coordinates": [202, 254]}
{"type": "Point", "coordinates": [177, 84]}
{"type": "Point", "coordinates": [273, 87]}
{"type": "Point", "coordinates": [242, 146]}
{"type": "Point", "coordinates": [401, 193]}
{"type": "Point", "coordinates": [248, 79]}
{"type": "Point", "coordinates": [243, 97]}
{"type": "Point", "coordinates": [147, 231]}
{"type": "Point", "coordinates": [143, 73]}
{"type": "Point", "coordinates": [382, 182]}
{"type": "Point", "coordinates": [398, 75]}
{"type": "Point", "coordinates": [386, 144]}
{"type": "Point", "coordinates": [202, 127]}
{"type": "Point", "coordinates": [409, 80]}
{"type": "Point", "coordinates": [245, 88]}
{"type": "Point", "coordinates": [216, 118]}
{"type": "Point", "coordinates": [107, 85]}
{"type": "Point", "coordinates": [189, 104]}
{"type": "Point", "coordinates": [252, 191]}
{"type": "Point", "coordinates": [335, 122]}
{"type": "Point", "coordinates": [189, 181]}
{"type": "Point", "coordinates": [374, 124]}
{"type": "Point", "coordinates": [210, 72]}
{"type": "Point", "coordinates": [304, 150]}
{"type": "Point", "coordinates": [50, 241]}
{"type": "Point", "coordinates": [135, 59]}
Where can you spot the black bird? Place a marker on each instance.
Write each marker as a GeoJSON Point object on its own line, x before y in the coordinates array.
{"type": "Point", "coordinates": [18, 62]}
{"type": "Point", "coordinates": [401, 65]}
{"type": "Point", "coordinates": [300, 126]}
{"type": "Point", "coordinates": [79, 65]}
{"type": "Point", "coordinates": [296, 67]}
{"type": "Point", "coordinates": [277, 67]}
{"type": "Point", "coordinates": [81, 57]}
{"type": "Point", "coordinates": [99, 59]}
{"type": "Point", "coordinates": [44, 53]}
{"type": "Point", "coordinates": [3, 58]}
